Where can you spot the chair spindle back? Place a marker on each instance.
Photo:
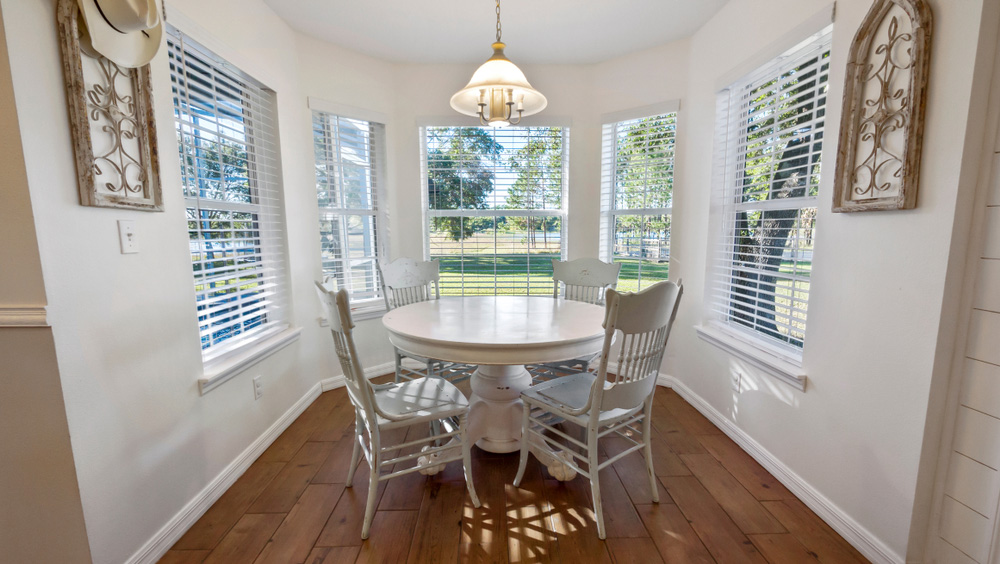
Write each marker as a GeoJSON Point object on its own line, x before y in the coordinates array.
{"type": "Point", "coordinates": [408, 281]}
{"type": "Point", "coordinates": [644, 319]}
{"type": "Point", "coordinates": [584, 280]}
{"type": "Point", "coordinates": [337, 307]}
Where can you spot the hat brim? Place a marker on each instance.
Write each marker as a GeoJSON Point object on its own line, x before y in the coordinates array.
{"type": "Point", "coordinates": [130, 50]}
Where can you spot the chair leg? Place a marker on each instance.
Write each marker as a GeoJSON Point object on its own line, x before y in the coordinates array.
{"type": "Point", "coordinates": [467, 459]}
{"type": "Point", "coordinates": [647, 427]}
{"type": "Point", "coordinates": [523, 462]}
{"type": "Point", "coordinates": [358, 437]}
{"type": "Point", "coordinates": [595, 481]}
{"type": "Point", "coordinates": [399, 366]}
{"type": "Point", "coordinates": [376, 466]}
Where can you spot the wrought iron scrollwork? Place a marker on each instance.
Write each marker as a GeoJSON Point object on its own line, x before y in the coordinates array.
{"type": "Point", "coordinates": [884, 115]}
{"type": "Point", "coordinates": [117, 110]}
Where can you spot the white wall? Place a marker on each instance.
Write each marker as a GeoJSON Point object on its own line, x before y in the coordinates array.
{"type": "Point", "coordinates": [877, 286]}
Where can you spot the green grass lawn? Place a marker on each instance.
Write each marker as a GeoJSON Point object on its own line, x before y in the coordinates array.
{"type": "Point", "coordinates": [515, 271]}
{"type": "Point", "coordinates": [511, 275]}
{"type": "Point", "coordinates": [531, 274]}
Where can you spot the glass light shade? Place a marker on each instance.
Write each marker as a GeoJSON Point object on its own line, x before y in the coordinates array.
{"type": "Point", "coordinates": [488, 84]}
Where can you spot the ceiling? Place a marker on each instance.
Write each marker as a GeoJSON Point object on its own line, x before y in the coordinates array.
{"type": "Point", "coordinates": [460, 31]}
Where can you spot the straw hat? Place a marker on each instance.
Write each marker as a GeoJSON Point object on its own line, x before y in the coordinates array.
{"type": "Point", "coordinates": [127, 32]}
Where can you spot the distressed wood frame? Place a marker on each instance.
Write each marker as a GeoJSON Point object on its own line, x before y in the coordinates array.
{"type": "Point", "coordinates": [146, 194]}
{"type": "Point", "coordinates": [857, 128]}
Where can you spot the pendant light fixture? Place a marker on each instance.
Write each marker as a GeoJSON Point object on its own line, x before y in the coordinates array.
{"type": "Point", "coordinates": [497, 90]}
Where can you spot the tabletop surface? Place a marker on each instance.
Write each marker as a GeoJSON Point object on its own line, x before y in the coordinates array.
{"type": "Point", "coordinates": [497, 321]}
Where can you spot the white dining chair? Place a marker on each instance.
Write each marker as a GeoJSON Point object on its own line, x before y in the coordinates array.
{"type": "Point", "coordinates": [380, 408]}
{"type": "Point", "coordinates": [408, 281]}
{"type": "Point", "coordinates": [600, 405]}
{"type": "Point", "coordinates": [582, 280]}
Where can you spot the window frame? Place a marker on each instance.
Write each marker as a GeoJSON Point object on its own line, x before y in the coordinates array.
{"type": "Point", "coordinates": [226, 357]}
{"type": "Point", "coordinates": [781, 359]}
{"type": "Point", "coordinates": [430, 213]}
{"type": "Point", "coordinates": [609, 173]}
{"type": "Point", "coordinates": [370, 307]}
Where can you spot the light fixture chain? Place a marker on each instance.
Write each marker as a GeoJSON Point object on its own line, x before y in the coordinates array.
{"type": "Point", "coordinates": [499, 31]}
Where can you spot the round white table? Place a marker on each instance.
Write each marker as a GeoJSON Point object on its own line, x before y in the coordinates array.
{"type": "Point", "coordinates": [500, 334]}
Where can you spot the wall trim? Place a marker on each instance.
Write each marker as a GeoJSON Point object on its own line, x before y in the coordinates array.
{"type": "Point", "coordinates": [340, 381]}
{"type": "Point", "coordinates": [667, 107]}
{"type": "Point", "coordinates": [784, 369]}
{"type": "Point", "coordinates": [332, 383]}
{"type": "Point", "coordinates": [223, 369]}
{"type": "Point", "coordinates": [173, 530]}
{"type": "Point", "coordinates": [845, 525]}
{"type": "Point", "coordinates": [346, 110]}
{"type": "Point", "coordinates": [160, 543]}
{"type": "Point", "coordinates": [23, 316]}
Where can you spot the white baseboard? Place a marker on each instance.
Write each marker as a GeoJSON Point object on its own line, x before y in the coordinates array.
{"type": "Point", "coordinates": [372, 371]}
{"type": "Point", "coordinates": [332, 383]}
{"type": "Point", "coordinates": [852, 531]}
{"type": "Point", "coordinates": [156, 547]}
{"type": "Point", "coordinates": [380, 369]}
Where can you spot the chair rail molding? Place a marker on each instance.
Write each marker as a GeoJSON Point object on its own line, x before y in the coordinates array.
{"type": "Point", "coordinates": [23, 316]}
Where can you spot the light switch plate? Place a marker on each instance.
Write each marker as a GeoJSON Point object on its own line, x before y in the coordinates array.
{"type": "Point", "coordinates": [127, 236]}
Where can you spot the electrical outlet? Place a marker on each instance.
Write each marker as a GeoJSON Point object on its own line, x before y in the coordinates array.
{"type": "Point", "coordinates": [737, 381]}
{"type": "Point", "coordinates": [258, 389]}
{"type": "Point", "coordinates": [127, 236]}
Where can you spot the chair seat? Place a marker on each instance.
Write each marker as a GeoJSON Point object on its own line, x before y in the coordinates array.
{"type": "Point", "coordinates": [431, 398]}
{"type": "Point", "coordinates": [570, 393]}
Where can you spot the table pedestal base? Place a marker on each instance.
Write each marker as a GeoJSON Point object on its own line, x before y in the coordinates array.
{"type": "Point", "coordinates": [495, 407]}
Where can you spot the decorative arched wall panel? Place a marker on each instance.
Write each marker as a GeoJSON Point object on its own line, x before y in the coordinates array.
{"type": "Point", "coordinates": [881, 129]}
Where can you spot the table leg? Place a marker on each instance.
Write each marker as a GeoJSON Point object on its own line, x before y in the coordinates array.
{"type": "Point", "coordinates": [495, 407]}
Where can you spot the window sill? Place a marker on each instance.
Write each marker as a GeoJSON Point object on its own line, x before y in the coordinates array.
{"type": "Point", "coordinates": [372, 311]}
{"type": "Point", "coordinates": [362, 311]}
{"type": "Point", "coordinates": [781, 368]}
{"type": "Point", "coordinates": [223, 369]}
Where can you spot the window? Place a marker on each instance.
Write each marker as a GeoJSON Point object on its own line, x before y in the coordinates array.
{"type": "Point", "coordinates": [637, 182]}
{"type": "Point", "coordinates": [770, 138]}
{"type": "Point", "coordinates": [227, 140]}
{"type": "Point", "coordinates": [495, 206]}
{"type": "Point", "coordinates": [349, 157]}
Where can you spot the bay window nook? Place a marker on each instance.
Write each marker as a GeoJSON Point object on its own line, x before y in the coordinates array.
{"type": "Point", "coordinates": [210, 374]}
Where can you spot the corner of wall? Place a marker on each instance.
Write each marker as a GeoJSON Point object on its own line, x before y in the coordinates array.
{"type": "Point", "coordinates": [38, 480]}
{"type": "Point", "coordinates": [973, 183]}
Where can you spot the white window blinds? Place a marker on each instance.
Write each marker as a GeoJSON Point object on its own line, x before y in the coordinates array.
{"type": "Point", "coordinates": [495, 210]}
{"type": "Point", "coordinates": [349, 155]}
{"type": "Point", "coordinates": [769, 144]}
{"type": "Point", "coordinates": [227, 140]}
{"type": "Point", "coordinates": [637, 179]}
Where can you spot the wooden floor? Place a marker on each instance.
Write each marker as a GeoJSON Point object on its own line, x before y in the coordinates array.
{"type": "Point", "coordinates": [716, 505]}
